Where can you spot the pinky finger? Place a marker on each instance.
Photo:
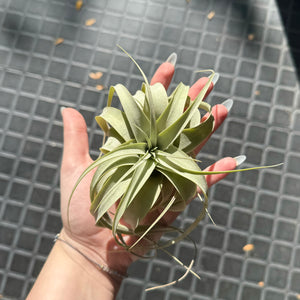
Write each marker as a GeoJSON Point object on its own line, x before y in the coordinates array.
{"type": "Point", "coordinates": [224, 164]}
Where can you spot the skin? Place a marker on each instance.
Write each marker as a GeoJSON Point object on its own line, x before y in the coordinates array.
{"type": "Point", "coordinates": [67, 274]}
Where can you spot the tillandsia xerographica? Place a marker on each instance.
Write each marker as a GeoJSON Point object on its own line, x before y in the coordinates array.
{"type": "Point", "coordinates": [147, 161]}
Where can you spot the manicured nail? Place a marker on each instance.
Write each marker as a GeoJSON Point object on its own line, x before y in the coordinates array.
{"type": "Point", "coordinates": [215, 78]}
{"type": "Point", "coordinates": [228, 104]}
{"type": "Point", "coordinates": [240, 159]}
{"type": "Point", "coordinates": [172, 59]}
{"type": "Point", "coordinates": [61, 109]}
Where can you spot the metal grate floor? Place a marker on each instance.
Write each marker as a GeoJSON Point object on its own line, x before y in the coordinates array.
{"type": "Point", "coordinates": [252, 44]}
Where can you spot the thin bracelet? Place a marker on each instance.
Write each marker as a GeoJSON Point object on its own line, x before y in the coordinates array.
{"type": "Point", "coordinates": [98, 266]}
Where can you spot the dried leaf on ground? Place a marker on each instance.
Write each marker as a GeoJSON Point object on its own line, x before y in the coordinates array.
{"type": "Point", "coordinates": [211, 15]}
{"type": "Point", "coordinates": [99, 87]}
{"type": "Point", "coordinates": [251, 37]}
{"type": "Point", "coordinates": [261, 284]}
{"type": "Point", "coordinates": [257, 93]}
{"type": "Point", "coordinates": [248, 247]}
{"type": "Point", "coordinates": [95, 75]}
{"type": "Point", "coordinates": [58, 41]}
{"type": "Point", "coordinates": [78, 4]}
{"type": "Point", "coordinates": [90, 22]}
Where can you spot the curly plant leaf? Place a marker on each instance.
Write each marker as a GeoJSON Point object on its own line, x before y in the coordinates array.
{"type": "Point", "coordinates": [195, 120]}
{"type": "Point", "coordinates": [149, 104]}
{"type": "Point", "coordinates": [141, 174]}
{"type": "Point", "coordinates": [113, 194]}
{"type": "Point", "coordinates": [190, 228]}
{"type": "Point", "coordinates": [135, 116]}
{"type": "Point", "coordinates": [185, 187]}
{"type": "Point", "coordinates": [167, 136]}
{"type": "Point", "coordinates": [179, 163]}
{"type": "Point", "coordinates": [148, 229]}
{"type": "Point", "coordinates": [139, 96]}
{"type": "Point", "coordinates": [106, 186]}
{"type": "Point", "coordinates": [117, 120]}
{"type": "Point", "coordinates": [112, 142]}
{"type": "Point", "coordinates": [175, 107]}
{"type": "Point", "coordinates": [144, 201]}
{"type": "Point", "coordinates": [159, 99]}
{"type": "Point", "coordinates": [190, 138]}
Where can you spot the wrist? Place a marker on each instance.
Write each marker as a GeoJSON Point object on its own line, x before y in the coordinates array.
{"type": "Point", "coordinates": [68, 275]}
{"type": "Point", "coordinates": [90, 262]}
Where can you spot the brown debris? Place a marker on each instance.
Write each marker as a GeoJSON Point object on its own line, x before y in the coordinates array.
{"type": "Point", "coordinates": [251, 37]}
{"type": "Point", "coordinates": [58, 41]}
{"type": "Point", "coordinates": [257, 93]}
{"type": "Point", "coordinates": [78, 4]}
{"type": "Point", "coordinates": [248, 248]}
{"type": "Point", "coordinates": [261, 284]}
{"type": "Point", "coordinates": [99, 87]}
{"type": "Point", "coordinates": [298, 296]}
{"type": "Point", "coordinates": [90, 22]}
{"type": "Point", "coordinates": [211, 15]}
{"type": "Point", "coordinates": [96, 75]}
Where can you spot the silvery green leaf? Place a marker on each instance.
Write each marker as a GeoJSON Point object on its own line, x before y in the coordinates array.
{"type": "Point", "coordinates": [150, 128]}
{"type": "Point", "coordinates": [175, 108]}
{"type": "Point", "coordinates": [184, 186]}
{"type": "Point", "coordinates": [133, 112]}
{"type": "Point", "coordinates": [110, 144]}
{"type": "Point", "coordinates": [143, 170]}
{"type": "Point", "coordinates": [98, 181]}
{"type": "Point", "coordinates": [139, 96]}
{"type": "Point", "coordinates": [159, 98]}
{"type": "Point", "coordinates": [181, 164]}
{"type": "Point", "coordinates": [108, 167]}
{"type": "Point", "coordinates": [179, 204]}
{"type": "Point", "coordinates": [116, 190]}
{"type": "Point", "coordinates": [106, 223]}
{"type": "Point", "coordinates": [195, 120]}
{"type": "Point", "coordinates": [167, 192]}
{"type": "Point", "coordinates": [101, 202]}
{"type": "Point", "coordinates": [190, 138]}
{"type": "Point", "coordinates": [150, 227]}
{"type": "Point", "coordinates": [117, 120]}
{"type": "Point", "coordinates": [190, 228]}
{"type": "Point", "coordinates": [235, 171]}
{"type": "Point", "coordinates": [169, 135]}
{"type": "Point", "coordinates": [143, 201]}
{"type": "Point", "coordinates": [122, 150]}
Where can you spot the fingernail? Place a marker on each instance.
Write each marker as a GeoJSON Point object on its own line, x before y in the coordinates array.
{"type": "Point", "coordinates": [240, 159]}
{"type": "Point", "coordinates": [215, 78]}
{"type": "Point", "coordinates": [172, 59]}
{"type": "Point", "coordinates": [228, 104]}
{"type": "Point", "coordinates": [61, 109]}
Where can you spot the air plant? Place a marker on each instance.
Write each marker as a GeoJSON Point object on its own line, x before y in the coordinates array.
{"type": "Point", "coordinates": [147, 161]}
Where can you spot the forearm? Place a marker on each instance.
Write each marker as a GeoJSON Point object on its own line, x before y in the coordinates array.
{"type": "Point", "coordinates": [68, 275]}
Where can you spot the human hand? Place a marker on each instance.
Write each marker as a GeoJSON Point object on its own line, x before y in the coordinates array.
{"type": "Point", "coordinates": [80, 230]}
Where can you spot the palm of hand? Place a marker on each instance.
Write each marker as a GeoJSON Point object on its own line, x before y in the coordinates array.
{"type": "Point", "coordinates": [79, 224]}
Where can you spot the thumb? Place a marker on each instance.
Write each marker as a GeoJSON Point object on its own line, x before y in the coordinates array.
{"type": "Point", "coordinates": [76, 146]}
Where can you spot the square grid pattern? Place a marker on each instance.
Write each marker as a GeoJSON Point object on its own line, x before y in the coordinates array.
{"type": "Point", "coordinates": [246, 43]}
